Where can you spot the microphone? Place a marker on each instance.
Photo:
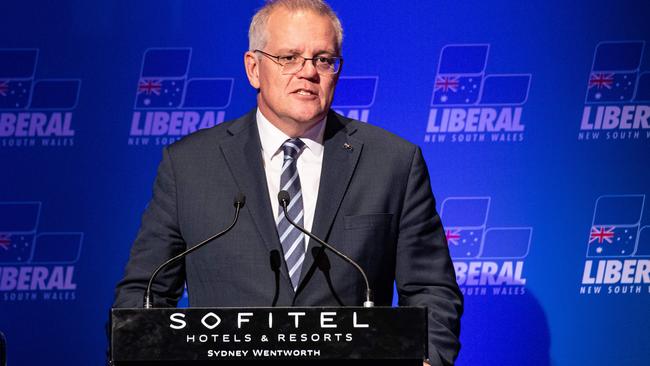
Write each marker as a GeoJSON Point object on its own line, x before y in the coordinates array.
{"type": "Point", "coordinates": [284, 199]}
{"type": "Point", "coordinates": [238, 202]}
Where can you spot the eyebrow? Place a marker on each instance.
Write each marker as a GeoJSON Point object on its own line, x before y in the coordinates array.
{"type": "Point", "coordinates": [297, 52]}
{"type": "Point", "coordinates": [287, 50]}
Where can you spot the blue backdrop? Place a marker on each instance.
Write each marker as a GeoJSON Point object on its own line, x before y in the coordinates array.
{"type": "Point", "coordinates": [533, 117]}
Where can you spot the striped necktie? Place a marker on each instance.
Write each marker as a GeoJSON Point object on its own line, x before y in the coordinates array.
{"type": "Point", "coordinates": [292, 240]}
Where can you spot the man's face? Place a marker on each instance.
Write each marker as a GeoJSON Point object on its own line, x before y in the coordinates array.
{"type": "Point", "coordinates": [294, 102]}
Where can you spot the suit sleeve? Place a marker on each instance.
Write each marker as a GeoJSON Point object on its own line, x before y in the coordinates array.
{"type": "Point", "coordinates": [158, 239]}
{"type": "Point", "coordinates": [424, 271]}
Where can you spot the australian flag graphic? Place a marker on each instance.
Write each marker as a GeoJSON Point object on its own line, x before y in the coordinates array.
{"type": "Point", "coordinates": [460, 74]}
{"type": "Point", "coordinates": [461, 79]}
{"type": "Point", "coordinates": [464, 242]}
{"type": "Point", "coordinates": [615, 226]}
{"type": "Point", "coordinates": [464, 219]}
{"type": "Point", "coordinates": [162, 78]}
{"type": "Point", "coordinates": [14, 94]}
{"type": "Point", "coordinates": [17, 67]}
{"type": "Point", "coordinates": [18, 221]}
{"type": "Point", "coordinates": [19, 90]}
{"type": "Point", "coordinates": [468, 237]}
{"type": "Point", "coordinates": [614, 73]}
{"type": "Point", "coordinates": [20, 243]}
{"type": "Point", "coordinates": [164, 83]}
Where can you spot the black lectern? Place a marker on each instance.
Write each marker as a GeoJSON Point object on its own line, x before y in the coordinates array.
{"type": "Point", "coordinates": [294, 335]}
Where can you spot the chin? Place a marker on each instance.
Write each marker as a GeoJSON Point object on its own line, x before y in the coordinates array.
{"type": "Point", "coordinates": [308, 117]}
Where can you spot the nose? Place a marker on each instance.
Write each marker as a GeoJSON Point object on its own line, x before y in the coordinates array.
{"type": "Point", "coordinates": [308, 71]}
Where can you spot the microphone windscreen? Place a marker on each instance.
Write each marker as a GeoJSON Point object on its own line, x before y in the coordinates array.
{"type": "Point", "coordinates": [283, 196]}
{"type": "Point", "coordinates": [240, 200]}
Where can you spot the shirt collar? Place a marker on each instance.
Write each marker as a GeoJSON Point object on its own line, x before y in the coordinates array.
{"type": "Point", "coordinates": [272, 137]}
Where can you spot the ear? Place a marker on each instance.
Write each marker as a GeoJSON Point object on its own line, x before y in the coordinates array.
{"type": "Point", "coordinates": [251, 63]}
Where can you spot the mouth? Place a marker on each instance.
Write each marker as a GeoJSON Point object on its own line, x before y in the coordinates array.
{"type": "Point", "coordinates": [306, 92]}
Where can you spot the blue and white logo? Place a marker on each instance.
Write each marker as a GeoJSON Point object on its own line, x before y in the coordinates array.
{"type": "Point", "coordinates": [35, 265]}
{"type": "Point", "coordinates": [34, 112]}
{"type": "Point", "coordinates": [355, 95]}
{"type": "Point", "coordinates": [469, 105]}
{"type": "Point", "coordinates": [617, 104]}
{"type": "Point", "coordinates": [618, 248]}
{"type": "Point", "coordinates": [169, 104]}
{"type": "Point", "coordinates": [487, 259]}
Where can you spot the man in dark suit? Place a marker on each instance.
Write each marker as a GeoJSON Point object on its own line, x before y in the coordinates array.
{"type": "Point", "coordinates": [360, 188]}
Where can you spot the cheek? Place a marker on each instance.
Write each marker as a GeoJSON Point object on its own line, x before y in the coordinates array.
{"type": "Point", "coordinates": [281, 85]}
{"type": "Point", "coordinates": [271, 80]}
{"type": "Point", "coordinates": [328, 89]}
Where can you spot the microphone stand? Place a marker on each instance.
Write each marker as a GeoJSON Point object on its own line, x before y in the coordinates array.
{"type": "Point", "coordinates": [240, 200]}
{"type": "Point", "coordinates": [283, 198]}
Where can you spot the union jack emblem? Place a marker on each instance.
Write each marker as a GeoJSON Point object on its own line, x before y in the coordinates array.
{"type": "Point", "coordinates": [149, 86]}
{"type": "Point", "coordinates": [5, 241]}
{"type": "Point", "coordinates": [600, 80]}
{"type": "Point", "coordinates": [4, 87]}
{"type": "Point", "coordinates": [601, 234]}
{"type": "Point", "coordinates": [446, 83]}
{"type": "Point", "coordinates": [452, 236]}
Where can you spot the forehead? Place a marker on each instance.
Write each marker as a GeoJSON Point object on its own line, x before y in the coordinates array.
{"type": "Point", "coordinates": [301, 30]}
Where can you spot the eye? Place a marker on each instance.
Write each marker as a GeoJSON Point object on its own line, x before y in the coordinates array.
{"type": "Point", "coordinates": [287, 59]}
{"type": "Point", "coordinates": [325, 60]}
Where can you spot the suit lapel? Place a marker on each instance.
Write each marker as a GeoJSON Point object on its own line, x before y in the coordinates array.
{"type": "Point", "coordinates": [341, 154]}
{"type": "Point", "coordinates": [243, 154]}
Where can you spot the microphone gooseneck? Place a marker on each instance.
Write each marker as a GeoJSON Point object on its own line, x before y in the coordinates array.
{"type": "Point", "coordinates": [239, 202]}
{"type": "Point", "coordinates": [284, 199]}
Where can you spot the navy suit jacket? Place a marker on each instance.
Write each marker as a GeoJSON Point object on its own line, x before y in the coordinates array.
{"type": "Point", "coordinates": [374, 204]}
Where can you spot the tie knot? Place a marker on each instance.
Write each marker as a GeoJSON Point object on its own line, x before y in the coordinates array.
{"type": "Point", "coordinates": [292, 148]}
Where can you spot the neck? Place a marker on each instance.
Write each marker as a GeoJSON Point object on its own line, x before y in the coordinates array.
{"type": "Point", "coordinates": [290, 127]}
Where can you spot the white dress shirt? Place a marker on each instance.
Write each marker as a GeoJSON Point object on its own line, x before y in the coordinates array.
{"type": "Point", "coordinates": [309, 164]}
